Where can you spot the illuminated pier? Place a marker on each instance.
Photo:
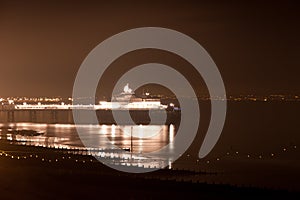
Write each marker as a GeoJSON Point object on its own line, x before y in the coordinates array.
{"type": "Point", "coordinates": [124, 101]}
{"type": "Point", "coordinates": [102, 106]}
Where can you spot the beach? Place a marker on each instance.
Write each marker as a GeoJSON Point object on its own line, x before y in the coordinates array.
{"type": "Point", "coordinates": [61, 177]}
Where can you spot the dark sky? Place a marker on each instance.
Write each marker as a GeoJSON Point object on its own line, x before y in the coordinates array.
{"type": "Point", "coordinates": [42, 44]}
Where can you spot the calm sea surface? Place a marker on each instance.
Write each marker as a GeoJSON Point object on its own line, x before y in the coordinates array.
{"type": "Point", "coordinates": [254, 128]}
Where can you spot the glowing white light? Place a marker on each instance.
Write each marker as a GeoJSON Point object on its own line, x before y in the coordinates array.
{"type": "Point", "coordinates": [171, 133]}
{"type": "Point", "coordinates": [63, 125]}
{"type": "Point", "coordinates": [103, 129]}
{"type": "Point", "coordinates": [170, 164]}
{"type": "Point", "coordinates": [127, 90]}
{"type": "Point", "coordinates": [142, 131]}
{"type": "Point", "coordinates": [113, 131]}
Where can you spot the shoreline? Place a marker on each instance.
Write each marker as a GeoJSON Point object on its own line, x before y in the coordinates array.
{"type": "Point", "coordinates": [79, 178]}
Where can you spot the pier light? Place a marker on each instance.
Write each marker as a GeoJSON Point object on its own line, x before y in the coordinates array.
{"type": "Point", "coordinates": [171, 133]}
{"type": "Point", "coordinates": [113, 131]}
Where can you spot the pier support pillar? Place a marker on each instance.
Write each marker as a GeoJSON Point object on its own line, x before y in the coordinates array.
{"type": "Point", "coordinates": [10, 116]}
{"type": "Point", "coordinates": [54, 116]}
{"type": "Point", "coordinates": [32, 115]}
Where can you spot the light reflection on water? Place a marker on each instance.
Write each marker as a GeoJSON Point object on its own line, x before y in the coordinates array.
{"type": "Point", "coordinates": [139, 139]}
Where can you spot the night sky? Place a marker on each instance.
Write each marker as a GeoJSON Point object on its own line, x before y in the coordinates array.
{"type": "Point", "coordinates": [42, 44]}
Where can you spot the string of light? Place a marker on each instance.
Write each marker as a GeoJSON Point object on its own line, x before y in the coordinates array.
{"type": "Point", "coordinates": [68, 154]}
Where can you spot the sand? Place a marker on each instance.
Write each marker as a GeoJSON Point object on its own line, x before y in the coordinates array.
{"type": "Point", "coordinates": [84, 177]}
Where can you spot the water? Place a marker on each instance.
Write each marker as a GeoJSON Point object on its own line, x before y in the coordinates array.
{"type": "Point", "coordinates": [254, 128]}
{"type": "Point", "coordinates": [135, 140]}
{"type": "Point", "coordinates": [144, 138]}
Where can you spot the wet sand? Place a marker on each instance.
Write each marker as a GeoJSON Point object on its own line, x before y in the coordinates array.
{"type": "Point", "coordinates": [83, 177]}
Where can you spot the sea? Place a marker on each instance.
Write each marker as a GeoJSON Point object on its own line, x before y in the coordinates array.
{"type": "Point", "coordinates": [258, 137]}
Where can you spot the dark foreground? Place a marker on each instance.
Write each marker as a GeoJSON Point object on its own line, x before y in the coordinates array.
{"type": "Point", "coordinates": [83, 177]}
